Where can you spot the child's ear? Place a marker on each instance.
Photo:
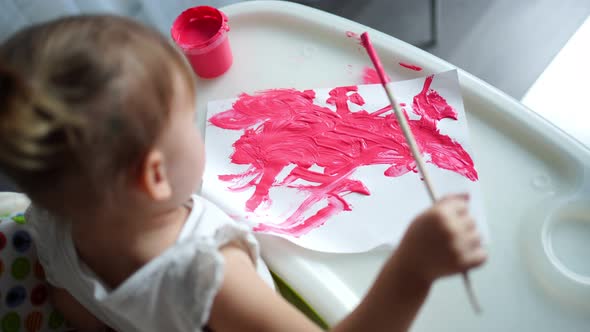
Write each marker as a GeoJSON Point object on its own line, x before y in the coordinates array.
{"type": "Point", "coordinates": [153, 178]}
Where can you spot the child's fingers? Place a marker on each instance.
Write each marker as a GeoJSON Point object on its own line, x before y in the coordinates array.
{"type": "Point", "coordinates": [474, 258]}
{"type": "Point", "coordinates": [474, 241]}
{"type": "Point", "coordinates": [466, 244]}
{"type": "Point", "coordinates": [465, 223]}
{"type": "Point", "coordinates": [460, 197]}
{"type": "Point", "coordinates": [454, 207]}
{"type": "Point", "coordinates": [470, 225]}
{"type": "Point", "coordinates": [463, 196]}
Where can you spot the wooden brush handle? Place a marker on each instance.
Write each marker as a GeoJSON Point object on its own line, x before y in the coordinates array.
{"type": "Point", "coordinates": [403, 123]}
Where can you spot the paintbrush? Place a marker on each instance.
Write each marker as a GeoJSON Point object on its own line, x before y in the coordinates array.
{"type": "Point", "coordinates": [386, 82]}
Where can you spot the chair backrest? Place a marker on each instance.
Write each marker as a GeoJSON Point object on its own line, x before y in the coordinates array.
{"type": "Point", "coordinates": [24, 303]}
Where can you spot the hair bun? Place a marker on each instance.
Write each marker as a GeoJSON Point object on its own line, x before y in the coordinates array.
{"type": "Point", "coordinates": [22, 131]}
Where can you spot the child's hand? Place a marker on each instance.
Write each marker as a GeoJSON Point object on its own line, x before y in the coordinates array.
{"type": "Point", "coordinates": [442, 241]}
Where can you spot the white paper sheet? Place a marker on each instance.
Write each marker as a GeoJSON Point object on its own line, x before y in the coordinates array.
{"type": "Point", "coordinates": [373, 220]}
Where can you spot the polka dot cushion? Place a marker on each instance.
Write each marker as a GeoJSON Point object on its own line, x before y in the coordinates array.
{"type": "Point", "coordinates": [24, 303]}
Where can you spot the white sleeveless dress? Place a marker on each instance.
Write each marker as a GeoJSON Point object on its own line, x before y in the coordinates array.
{"type": "Point", "coordinates": [172, 292]}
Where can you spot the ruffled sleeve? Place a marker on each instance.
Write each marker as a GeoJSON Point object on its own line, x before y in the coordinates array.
{"type": "Point", "coordinates": [208, 267]}
{"type": "Point", "coordinates": [42, 227]}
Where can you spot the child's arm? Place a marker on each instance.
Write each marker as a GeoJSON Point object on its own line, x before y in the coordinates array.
{"type": "Point", "coordinates": [440, 242]}
{"type": "Point", "coordinates": [246, 303]}
{"type": "Point", "coordinates": [73, 312]}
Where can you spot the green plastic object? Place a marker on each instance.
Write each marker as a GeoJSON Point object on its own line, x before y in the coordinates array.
{"type": "Point", "coordinates": [290, 295]}
{"type": "Point", "coordinates": [19, 219]}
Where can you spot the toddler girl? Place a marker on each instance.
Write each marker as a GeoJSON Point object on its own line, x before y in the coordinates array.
{"type": "Point", "coordinates": [96, 127]}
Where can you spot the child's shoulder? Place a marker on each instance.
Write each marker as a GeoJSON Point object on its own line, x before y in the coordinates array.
{"type": "Point", "coordinates": [207, 219]}
{"type": "Point", "coordinates": [43, 225]}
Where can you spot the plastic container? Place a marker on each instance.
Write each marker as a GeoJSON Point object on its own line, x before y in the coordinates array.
{"type": "Point", "coordinates": [202, 35]}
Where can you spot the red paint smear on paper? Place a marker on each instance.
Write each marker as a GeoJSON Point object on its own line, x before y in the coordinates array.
{"type": "Point", "coordinates": [410, 66]}
{"type": "Point", "coordinates": [370, 76]}
{"type": "Point", "coordinates": [285, 127]}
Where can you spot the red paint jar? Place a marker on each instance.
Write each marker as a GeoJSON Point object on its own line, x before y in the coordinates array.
{"type": "Point", "coordinates": [201, 33]}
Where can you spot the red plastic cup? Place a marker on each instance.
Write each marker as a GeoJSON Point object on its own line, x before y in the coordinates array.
{"type": "Point", "coordinates": [201, 34]}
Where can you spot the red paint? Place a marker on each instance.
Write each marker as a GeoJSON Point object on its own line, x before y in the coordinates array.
{"type": "Point", "coordinates": [433, 107]}
{"type": "Point", "coordinates": [285, 127]}
{"type": "Point", "coordinates": [201, 33]}
{"type": "Point", "coordinates": [366, 42]}
{"type": "Point", "coordinates": [351, 34]}
{"type": "Point", "coordinates": [370, 76]}
{"type": "Point", "coordinates": [410, 66]}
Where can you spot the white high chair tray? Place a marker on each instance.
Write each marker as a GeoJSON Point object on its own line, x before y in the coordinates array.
{"type": "Point", "coordinates": [535, 180]}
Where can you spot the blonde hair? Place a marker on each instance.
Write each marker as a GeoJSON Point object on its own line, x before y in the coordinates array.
{"type": "Point", "coordinates": [82, 100]}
